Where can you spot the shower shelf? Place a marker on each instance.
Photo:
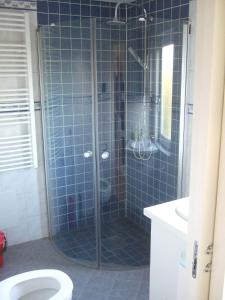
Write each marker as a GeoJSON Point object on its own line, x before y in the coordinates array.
{"type": "Point", "coordinates": [152, 148]}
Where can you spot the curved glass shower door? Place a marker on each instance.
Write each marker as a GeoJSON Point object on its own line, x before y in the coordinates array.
{"type": "Point", "coordinates": [84, 101]}
{"type": "Point", "coordinates": [106, 96]}
{"type": "Point", "coordinates": [122, 242]}
{"type": "Point", "coordinates": [68, 117]}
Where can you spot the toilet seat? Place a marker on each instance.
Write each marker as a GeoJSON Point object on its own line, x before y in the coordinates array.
{"type": "Point", "coordinates": [32, 281]}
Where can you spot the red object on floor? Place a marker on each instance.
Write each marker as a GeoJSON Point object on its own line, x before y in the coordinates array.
{"type": "Point", "coordinates": [2, 247]}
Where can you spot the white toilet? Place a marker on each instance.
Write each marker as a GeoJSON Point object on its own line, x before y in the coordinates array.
{"type": "Point", "coordinates": [37, 285]}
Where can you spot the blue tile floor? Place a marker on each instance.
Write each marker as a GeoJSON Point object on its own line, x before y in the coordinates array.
{"type": "Point", "coordinates": [123, 244]}
{"type": "Point", "coordinates": [90, 284]}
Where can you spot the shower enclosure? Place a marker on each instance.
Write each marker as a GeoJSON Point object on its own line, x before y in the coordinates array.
{"type": "Point", "coordinates": [111, 130]}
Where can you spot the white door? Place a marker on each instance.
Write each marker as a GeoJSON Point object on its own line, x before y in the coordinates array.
{"type": "Point", "coordinates": [209, 61]}
{"type": "Point", "coordinates": [217, 283]}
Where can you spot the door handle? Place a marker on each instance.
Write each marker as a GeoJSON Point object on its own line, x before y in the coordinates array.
{"type": "Point", "coordinates": [88, 154]}
{"type": "Point", "coordinates": [105, 155]}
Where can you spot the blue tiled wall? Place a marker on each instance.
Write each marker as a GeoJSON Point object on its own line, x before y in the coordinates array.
{"type": "Point", "coordinates": [154, 181]}
{"type": "Point", "coordinates": [60, 11]}
{"type": "Point", "coordinates": [66, 56]}
{"type": "Point", "coordinates": [68, 103]}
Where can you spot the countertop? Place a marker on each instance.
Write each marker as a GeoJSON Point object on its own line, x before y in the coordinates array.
{"type": "Point", "coordinates": [166, 214]}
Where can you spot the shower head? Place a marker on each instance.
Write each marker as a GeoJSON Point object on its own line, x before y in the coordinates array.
{"type": "Point", "coordinates": [116, 22]}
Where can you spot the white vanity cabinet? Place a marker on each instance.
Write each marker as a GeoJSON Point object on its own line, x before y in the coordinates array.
{"type": "Point", "coordinates": [168, 242]}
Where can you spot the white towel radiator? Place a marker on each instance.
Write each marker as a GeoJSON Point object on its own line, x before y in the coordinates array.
{"type": "Point", "coordinates": [18, 148]}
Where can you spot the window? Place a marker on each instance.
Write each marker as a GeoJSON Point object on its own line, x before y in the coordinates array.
{"type": "Point", "coordinates": [166, 91]}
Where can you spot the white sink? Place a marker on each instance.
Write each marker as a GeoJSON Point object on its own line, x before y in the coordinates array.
{"type": "Point", "coordinates": [182, 209]}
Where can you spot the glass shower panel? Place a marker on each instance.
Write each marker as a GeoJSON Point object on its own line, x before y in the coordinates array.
{"type": "Point", "coordinates": [110, 47]}
{"type": "Point", "coordinates": [122, 242]}
{"type": "Point", "coordinates": [65, 52]}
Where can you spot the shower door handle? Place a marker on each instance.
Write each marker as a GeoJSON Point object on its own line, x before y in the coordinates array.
{"type": "Point", "coordinates": [105, 155]}
{"type": "Point", "coordinates": [88, 154]}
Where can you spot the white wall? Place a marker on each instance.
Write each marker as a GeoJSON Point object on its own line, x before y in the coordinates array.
{"type": "Point", "coordinates": [23, 213]}
{"type": "Point", "coordinates": [23, 202]}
